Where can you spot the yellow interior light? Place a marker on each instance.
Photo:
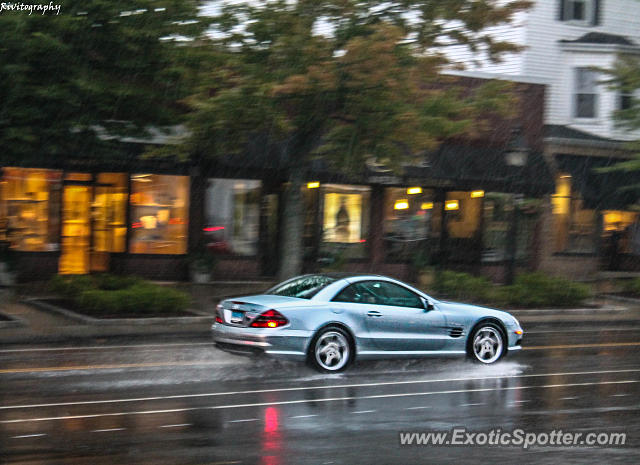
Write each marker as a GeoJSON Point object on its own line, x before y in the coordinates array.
{"type": "Point", "coordinates": [414, 190]}
{"type": "Point", "coordinates": [452, 205]}
{"type": "Point", "coordinates": [401, 204]}
{"type": "Point", "coordinates": [313, 185]}
{"type": "Point", "coordinates": [477, 194]}
{"type": "Point", "coordinates": [426, 206]}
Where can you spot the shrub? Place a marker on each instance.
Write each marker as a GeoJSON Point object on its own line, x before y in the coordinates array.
{"type": "Point", "coordinates": [529, 290]}
{"type": "Point", "coordinates": [632, 286]}
{"type": "Point", "coordinates": [108, 294]}
{"type": "Point", "coordinates": [463, 286]}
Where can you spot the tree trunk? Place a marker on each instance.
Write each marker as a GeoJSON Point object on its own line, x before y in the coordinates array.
{"type": "Point", "coordinates": [291, 247]}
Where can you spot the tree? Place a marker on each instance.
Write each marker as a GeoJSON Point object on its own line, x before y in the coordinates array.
{"type": "Point", "coordinates": [624, 78]}
{"type": "Point", "coordinates": [109, 65]}
{"type": "Point", "coordinates": [345, 80]}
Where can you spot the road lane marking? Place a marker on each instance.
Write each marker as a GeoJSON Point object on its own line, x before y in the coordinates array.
{"type": "Point", "coordinates": [177, 425]}
{"type": "Point", "coordinates": [310, 388]}
{"type": "Point", "coordinates": [418, 408]}
{"type": "Point", "coordinates": [472, 405]}
{"type": "Point", "coordinates": [23, 436]}
{"type": "Point", "coordinates": [619, 395]}
{"type": "Point", "coordinates": [569, 398]}
{"type": "Point", "coordinates": [130, 346]}
{"type": "Point", "coordinates": [305, 416]}
{"type": "Point", "coordinates": [603, 329]}
{"type": "Point", "coordinates": [584, 346]}
{"type": "Point", "coordinates": [107, 430]}
{"type": "Point", "coordinates": [363, 411]}
{"type": "Point", "coordinates": [304, 401]}
{"type": "Point", "coordinates": [520, 401]}
{"type": "Point", "coordinates": [243, 421]}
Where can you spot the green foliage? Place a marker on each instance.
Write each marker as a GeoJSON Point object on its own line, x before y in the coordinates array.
{"type": "Point", "coordinates": [631, 286]}
{"type": "Point", "coordinates": [532, 290]}
{"type": "Point", "coordinates": [462, 286]}
{"type": "Point", "coordinates": [96, 63]}
{"type": "Point", "coordinates": [110, 294]}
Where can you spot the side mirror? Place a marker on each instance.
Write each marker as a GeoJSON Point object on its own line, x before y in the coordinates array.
{"type": "Point", "coordinates": [427, 305]}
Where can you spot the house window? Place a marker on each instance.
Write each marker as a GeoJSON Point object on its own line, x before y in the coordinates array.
{"type": "Point", "coordinates": [585, 97]}
{"type": "Point", "coordinates": [574, 225]}
{"type": "Point", "coordinates": [625, 101]}
{"type": "Point", "coordinates": [580, 11]}
{"type": "Point", "coordinates": [30, 208]}
{"type": "Point", "coordinates": [233, 215]}
{"type": "Point", "coordinates": [159, 214]}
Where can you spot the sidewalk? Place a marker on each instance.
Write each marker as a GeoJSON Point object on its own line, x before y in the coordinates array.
{"type": "Point", "coordinates": [34, 325]}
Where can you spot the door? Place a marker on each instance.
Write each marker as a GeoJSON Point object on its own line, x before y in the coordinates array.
{"type": "Point", "coordinates": [395, 316]}
{"type": "Point", "coordinates": [76, 229]}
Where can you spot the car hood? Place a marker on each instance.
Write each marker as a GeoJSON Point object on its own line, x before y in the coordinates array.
{"type": "Point", "coordinates": [475, 311]}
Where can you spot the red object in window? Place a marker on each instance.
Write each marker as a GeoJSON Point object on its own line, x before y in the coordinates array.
{"type": "Point", "coordinates": [213, 228]}
{"type": "Point", "coordinates": [269, 319]}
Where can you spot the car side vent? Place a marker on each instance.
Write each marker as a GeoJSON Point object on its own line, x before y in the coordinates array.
{"type": "Point", "coordinates": [456, 331]}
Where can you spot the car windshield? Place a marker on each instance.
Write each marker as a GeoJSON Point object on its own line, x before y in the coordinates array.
{"type": "Point", "coordinates": [303, 287]}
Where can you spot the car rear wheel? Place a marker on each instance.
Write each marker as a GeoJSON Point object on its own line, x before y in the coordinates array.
{"type": "Point", "coordinates": [487, 344]}
{"type": "Point", "coordinates": [331, 350]}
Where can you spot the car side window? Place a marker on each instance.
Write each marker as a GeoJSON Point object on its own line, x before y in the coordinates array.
{"type": "Point", "coordinates": [357, 294]}
{"type": "Point", "coordinates": [378, 293]}
{"type": "Point", "coordinates": [387, 293]}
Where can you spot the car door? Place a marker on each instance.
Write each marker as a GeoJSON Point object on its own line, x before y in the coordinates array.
{"type": "Point", "coordinates": [394, 316]}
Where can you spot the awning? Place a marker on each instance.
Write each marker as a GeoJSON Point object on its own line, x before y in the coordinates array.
{"type": "Point", "coordinates": [602, 191]}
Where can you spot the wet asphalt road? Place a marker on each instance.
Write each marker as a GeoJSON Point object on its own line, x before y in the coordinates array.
{"type": "Point", "coordinates": [184, 402]}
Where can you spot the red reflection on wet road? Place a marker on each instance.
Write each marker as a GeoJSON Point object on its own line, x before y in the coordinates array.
{"type": "Point", "coordinates": [271, 439]}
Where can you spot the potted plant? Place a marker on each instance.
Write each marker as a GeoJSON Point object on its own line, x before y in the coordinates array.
{"type": "Point", "coordinates": [201, 264]}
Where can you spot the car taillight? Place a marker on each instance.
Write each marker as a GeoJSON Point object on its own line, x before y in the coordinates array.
{"type": "Point", "coordinates": [219, 314]}
{"type": "Point", "coordinates": [269, 319]}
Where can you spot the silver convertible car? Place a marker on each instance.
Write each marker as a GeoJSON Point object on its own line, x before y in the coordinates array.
{"type": "Point", "coordinates": [330, 320]}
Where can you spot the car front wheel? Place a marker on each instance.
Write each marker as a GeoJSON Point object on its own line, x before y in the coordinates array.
{"type": "Point", "coordinates": [331, 350]}
{"type": "Point", "coordinates": [487, 344]}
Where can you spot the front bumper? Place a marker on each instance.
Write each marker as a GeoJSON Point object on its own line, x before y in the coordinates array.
{"type": "Point", "coordinates": [274, 342]}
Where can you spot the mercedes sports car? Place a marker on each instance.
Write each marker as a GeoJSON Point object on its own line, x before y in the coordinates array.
{"type": "Point", "coordinates": [330, 320]}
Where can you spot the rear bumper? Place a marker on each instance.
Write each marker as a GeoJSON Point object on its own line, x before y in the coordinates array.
{"type": "Point", "coordinates": [275, 342]}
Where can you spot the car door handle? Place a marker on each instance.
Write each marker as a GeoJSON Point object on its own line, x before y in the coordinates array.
{"type": "Point", "coordinates": [374, 313]}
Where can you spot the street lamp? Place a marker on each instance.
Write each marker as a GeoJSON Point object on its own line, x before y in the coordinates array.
{"type": "Point", "coordinates": [516, 154]}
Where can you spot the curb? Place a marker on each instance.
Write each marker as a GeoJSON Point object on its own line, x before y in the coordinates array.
{"type": "Point", "coordinates": [120, 321]}
{"type": "Point", "coordinates": [13, 321]}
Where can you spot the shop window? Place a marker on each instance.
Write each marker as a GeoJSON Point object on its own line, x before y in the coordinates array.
{"type": "Point", "coordinates": [30, 208]}
{"type": "Point", "coordinates": [345, 220]}
{"type": "Point", "coordinates": [574, 225]}
{"type": "Point", "coordinates": [233, 215]}
{"type": "Point", "coordinates": [159, 214]}
{"type": "Point", "coordinates": [109, 211]}
{"type": "Point", "coordinates": [623, 228]}
{"type": "Point", "coordinates": [463, 214]}
{"type": "Point", "coordinates": [408, 214]}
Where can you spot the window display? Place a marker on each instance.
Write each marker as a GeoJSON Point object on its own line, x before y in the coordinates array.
{"type": "Point", "coordinates": [408, 216]}
{"type": "Point", "coordinates": [574, 225]}
{"type": "Point", "coordinates": [345, 223]}
{"type": "Point", "coordinates": [233, 215]}
{"type": "Point", "coordinates": [29, 208]}
{"type": "Point", "coordinates": [159, 214]}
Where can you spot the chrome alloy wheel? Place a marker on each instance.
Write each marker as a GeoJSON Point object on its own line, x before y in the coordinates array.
{"type": "Point", "coordinates": [332, 350]}
{"type": "Point", "coordinates": [487, 344]}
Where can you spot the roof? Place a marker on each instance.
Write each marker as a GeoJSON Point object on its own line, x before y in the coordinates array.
{"type": "Point", "coordinates": [565, 132]}
{"type": "Point", "coordinates": [600, 38]}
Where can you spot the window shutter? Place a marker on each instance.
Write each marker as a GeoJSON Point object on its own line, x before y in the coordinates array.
{"type": "Point", "coordinates": [596, 13]}
{"type": "Point", "coordinates": [561, 15]}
